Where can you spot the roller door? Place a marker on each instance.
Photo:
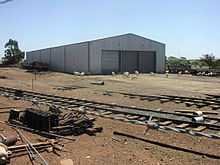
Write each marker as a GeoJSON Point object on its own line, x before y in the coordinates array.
{"type": "Point", "coordinates": [110, 62]}
{"type": "Point", "coordinates": [130, 61]}
{"type": "Point", "coordinates": [147, 61]}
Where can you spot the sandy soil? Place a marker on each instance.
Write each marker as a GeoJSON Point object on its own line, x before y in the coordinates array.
{"type": "Point", "coordinates": [106, 148]}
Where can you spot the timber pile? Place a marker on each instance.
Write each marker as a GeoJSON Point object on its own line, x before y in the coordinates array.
{"type": "Point", "coordinates": [71, 123]}
{"type": "Point", "coordinates": [49, 146]}
{"type": "Point", "coordinates": [40, 120]}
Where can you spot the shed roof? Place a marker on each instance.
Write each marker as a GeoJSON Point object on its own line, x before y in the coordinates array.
{"type": "Point", "coordinates": [128, 34]}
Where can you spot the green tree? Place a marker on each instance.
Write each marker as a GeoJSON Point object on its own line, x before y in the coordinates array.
{"type": "Point", "coordinates": [183, 61]}
{"type": "Point", "coordinates": [201, 64]}
{"type": "Point", "coordinates": [12, 53]}
{"type": "Point", "coordinates": [216, 64]}
{"type": "Point", "coordinates": [173, 61]}
{"type": "Point", "coordinates": [196, 63]}
{"type": "Point", "coordinates": [208, 60]}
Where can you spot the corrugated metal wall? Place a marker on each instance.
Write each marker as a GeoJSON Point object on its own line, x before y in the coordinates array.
{"type": "Point", "coordinates": [45, 56]}
{"type": "Point", "coordinates": [57, 59]}
{"type": "Point", "coordinates": [77, 58]}
{"type": "Point", "coordinates": [147, 62]}
{"type": "Point", "coordinates": [87, 56]}
{"type": "Point", "coordinates": [110, 61]}
{"type": "Point", "coordinates": [36, 55]}
{"type": "Point", "coordinates": [127, 42]}
{"type": "Point", "coordinates": [129, 61]}
{"type": "Point", "coordinates": [29, 57]}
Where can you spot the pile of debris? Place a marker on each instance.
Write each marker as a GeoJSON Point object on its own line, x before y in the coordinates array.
{"type": "Point", "coordinates": [73, 123]}
{"type": "Point", "coordinates": [36, 66]}
{"type": "Point", "coordinates": [210, 73]}
{"type": "Point", "coordinates": [3, 77]}
{"type": "Point", "coordinates": [40, 120]}
{"type": "Point", "coordinates": [52, 121]}
{"type": "Point", "coordinates": [9, 150]}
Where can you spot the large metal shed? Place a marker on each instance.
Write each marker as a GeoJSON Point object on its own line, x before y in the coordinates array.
{"type": "Point", "coordinates": [128, 52]}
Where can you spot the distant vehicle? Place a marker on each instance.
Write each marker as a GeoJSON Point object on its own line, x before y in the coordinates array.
{"type": "Point", "coordinates": [178, 68]}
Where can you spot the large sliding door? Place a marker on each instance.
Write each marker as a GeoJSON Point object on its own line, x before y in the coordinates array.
{"type": "Point", "coordinates": [110, 61]}
{"type": "Point", "coordinates": [130, 61]}
{"type": "Point", "coordinates": [147, 61]}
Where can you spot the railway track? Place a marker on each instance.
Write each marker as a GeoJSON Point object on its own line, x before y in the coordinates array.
{"type": "Point", "coordinates": [211, 101]}
{"type": "Point", "coordinates": [209, 96]}
{"type": "Point", "coordinates": [162, 118]}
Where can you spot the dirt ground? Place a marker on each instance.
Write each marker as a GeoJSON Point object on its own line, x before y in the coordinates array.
{"type": "Point", "coordinates": [105, 147]}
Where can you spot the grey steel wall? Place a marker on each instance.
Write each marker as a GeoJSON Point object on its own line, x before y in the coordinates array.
{"type": "Point", "coordinates": [57, 59]}
{"type": "Point", "coordinates": [77, 57]}
{"type": "Point", "coordinates": [67, 58]}
{"type": "Point", "coordinates": [29, 58]}
{"type": "Point", "coordinates": [36, 55]}
{"type": "Point", "coordinates": [127, 42]}
{"type": "Point", "coordinates": [86, 56]}
{"type": "Point", "coordinates": [45, 56]}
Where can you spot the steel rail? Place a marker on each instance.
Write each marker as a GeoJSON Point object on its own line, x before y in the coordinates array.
{"type": "Point", "coordinates": [80, 102]}
{"type": "Point", "coordinates": [36, 131]}
{"type": "Point", "coordinates": [34, 101]}
{"type": "Point", "coordinates": [30, 146]}
{"type": "Point", "coordinates": [128, 94]}
{"type": "Point", "coordinates": [133, 111]}
{"type": "Point", "coordinates": [55, 98]}
{"type": "Point", "coordinates": [170, 97]}
{"type": "Point", "coordinates": [129, 111]}
{"type": "Point", "coordinates": [149, 124]}
{"type": "Point", "coordinates": [40, 95]}
{"type": "Point", "coordinates": [213, 96]}
{"type": "Point", "coordinates": [27, 147]}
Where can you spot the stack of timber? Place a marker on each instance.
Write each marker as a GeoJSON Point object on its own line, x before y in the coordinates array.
{"type": "Point", "coordinates": [71, 123]}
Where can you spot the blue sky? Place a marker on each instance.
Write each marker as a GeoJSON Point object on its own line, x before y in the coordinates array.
{"type": "Point", "coordinates": [189, 28]}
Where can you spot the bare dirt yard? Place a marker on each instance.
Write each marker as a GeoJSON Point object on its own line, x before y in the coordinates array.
{"type": "Point", "coordinates": [106, 148]}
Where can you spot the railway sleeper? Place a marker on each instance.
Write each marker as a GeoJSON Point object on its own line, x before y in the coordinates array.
{"type": "Point", "coordinates": [189, 104]}
{"type": "Point", "coordinates": [178, 101]}
{"type": "Point", "coordinates": [215, 107]}
{"type": "Point", "coordinates": [132, 117]}
{"type": "Point", "coordinates": [165, 123]}
{"type": "Point", "coordinates": [183, 125]}
{"type": "Point", "coordinates": [164, 100]}
{"type": "Point", "coordinates": [142, 118]}
{"type": "Point", "coordinates": [99, 108]}
{"type": "Point", "coordinates": [143, 98]}
{"type": "Point", "coordinates": [133, 97]}
{"type": "Point", "coordinates": [119, 115]}
{"type": "Point", "coordinates": [106, 113]}
{"type": "Point", "coordinates": [199, 105]}
{"type": "Point", "coordinates": [152, 99]}
{"type": "Point", "coordinates": [200, 128]}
